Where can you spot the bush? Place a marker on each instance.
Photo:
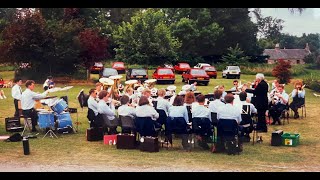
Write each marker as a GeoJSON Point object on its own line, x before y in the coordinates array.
{"type": "Point", "coordinates": [312, 83]}
{"type": "Point", "coordinates": [282, 71]}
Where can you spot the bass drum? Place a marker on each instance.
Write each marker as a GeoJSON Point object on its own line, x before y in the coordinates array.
{"type": "Point", "coordinates": [64, 123]}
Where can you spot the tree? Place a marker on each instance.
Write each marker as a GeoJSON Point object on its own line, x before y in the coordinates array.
{"type": "Point", "coordinates": [235, 57]}
{"type": "Point", "coordinates": [93, 46]}
{"type": "Point", "coordinates": [282, 71]}
{"type": "Point", "coordinates": [146, 39]}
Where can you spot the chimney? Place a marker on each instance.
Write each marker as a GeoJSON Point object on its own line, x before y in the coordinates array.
{"type": "Point", "coordinates": [277, 47]}
{"type": "Point", "coordinates": [307, 48]}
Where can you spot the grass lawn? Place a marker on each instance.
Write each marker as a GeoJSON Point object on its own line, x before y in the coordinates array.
{"type": "Point", "coordinates": [72, 152]}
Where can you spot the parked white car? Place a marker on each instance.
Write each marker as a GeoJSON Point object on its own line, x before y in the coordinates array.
{"type": "Point", "coordinates": [231, 71]}
{"type": "Point", "coordinates": [200, 65]}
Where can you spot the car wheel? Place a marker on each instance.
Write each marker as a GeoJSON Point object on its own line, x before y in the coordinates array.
{"type": "Point", "coordinates": [215, 77]}
{"type": "Point", "coordinates": [239, 77]}
{"type": "Point", "coordinates": [172, 82]}
{"type": "Point", "coordinates": [182, 79]}
{"type": "Point", "coordinates": [206, 84]}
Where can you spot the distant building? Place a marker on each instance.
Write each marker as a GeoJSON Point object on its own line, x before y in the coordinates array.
{"type": "Point", "coordinates": [295, 56]}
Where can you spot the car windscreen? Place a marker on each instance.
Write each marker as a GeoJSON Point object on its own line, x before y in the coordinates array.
{"type": "Point", "coordinates": [109, 72]}
{"type": "Point", "coordinates": [164, 71]}
{"type": "Point", "coordinates": [184, 66]}
{"type": "Point", "coordinates": [209, 69]}
{"type": "Point", "coordinates": [118, 65]}
{"type": "Point", "coordinates": [140, 72]}
{"type": "Point", "coordinates": [198, 72]}
{"type": "Point", "coordinates": [234, 68]}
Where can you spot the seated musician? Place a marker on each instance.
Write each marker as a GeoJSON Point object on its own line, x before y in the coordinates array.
{"type": "Point", "coordinates": [224, 93]}
{"type": "Point", "coordinates": [247, 110]}
{"type": "Point", "coordinates": [147, 93]}
{"type": "Point", "coordinates": [190, 99]}
{"type": "Point", "coordinates": [103, 108]}
{"type": "Point", "coordinates": [48, 83]}
{"type": "Point", "coordinates": [217, 103]}
{"type": "Point", "coordinates": [145, 109]}
{"type": "Point", "coordinates": [28, 98]}
{"type": "Point", "coordinates": [298, 94]}
{"type": "Point", "coordinates": [280, 100]}
{"type": "Point", "coordinates": [235, 86]}
{"type": "Point", "coordinates": [200, 111]}
{"type": "Point", "coordinates": [249, 95]}
{"type": "Point", "coordinates": [162, 103]}
{"type": "Point", "coordinates": [179, 112]}
{"type": "Point", "coordinates": [126, 109]}
{"type": "Point", "coordinates": [229, 111]}
{"type": "Point", "coordinates": [92, 106]}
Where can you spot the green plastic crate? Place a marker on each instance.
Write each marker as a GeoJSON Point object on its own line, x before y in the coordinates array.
{"type": "Point", "coordinates": [289, 139]}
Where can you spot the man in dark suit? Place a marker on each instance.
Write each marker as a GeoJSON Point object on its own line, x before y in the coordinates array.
{"type": "Point", "coordinates": [260, 101]}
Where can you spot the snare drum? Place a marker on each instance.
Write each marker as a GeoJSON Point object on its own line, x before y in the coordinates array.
{"type": "Point", "coordinates": [59, 106]}
{"type": "Point", "coordinates": [64, 120]}
{"type": "Point", "coordinates": [46, 119]}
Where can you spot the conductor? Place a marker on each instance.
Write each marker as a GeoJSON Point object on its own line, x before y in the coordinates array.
{"type": "Point", "coordinates": [261, 98]}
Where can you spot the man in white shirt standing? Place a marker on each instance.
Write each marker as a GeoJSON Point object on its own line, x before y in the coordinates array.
{"type": "Point", "coordinates": [16, 92]}
{"type": "Point", "coordinates": [28, 98]}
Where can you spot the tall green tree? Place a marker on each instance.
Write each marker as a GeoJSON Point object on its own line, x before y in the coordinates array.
{"type": "Point", "coordinates": [235, 56]}
{"type": "Point", "coordinates": [146, 39]}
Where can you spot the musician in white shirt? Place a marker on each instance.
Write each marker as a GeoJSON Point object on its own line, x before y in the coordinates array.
{"type": "Point", "coordinates": [28, 98]}
{"type": "Point", "coordinates": [229, 111]}
{"type": "Point", "coordinates": [161, 102]}
{"type": "Point", "coordinates": [125, 109]}
{"type": "Point", "coordinates": [200, 111]}
{"type": "Point", "coordinates": [224, 93]}
{"type": "Point", "coordinates": [217, 103]}
{"type": "Point", "coordinates": [280, 102]}
{"type": "Point", "coordinates": [104, 109]}
{"type": "Point", "coordinates": [145, 109]}
{"type": "Point", "coordinates": [16, 93]}
{"type": "Point", "coordinates": [92, 103]}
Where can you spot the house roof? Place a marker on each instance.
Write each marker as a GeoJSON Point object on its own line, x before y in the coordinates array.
{"type": "Point", "coordinates": [286, 54]}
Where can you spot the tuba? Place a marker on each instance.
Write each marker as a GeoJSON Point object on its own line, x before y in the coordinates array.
{"type": "Point", "coordinates": [115, 93]}
{"type": "Point", "coordinates": [107, 83]}
{"type": "Point", "coordinates": [150, 83]}
{"type": "Point", "coordinates": [129, 84]}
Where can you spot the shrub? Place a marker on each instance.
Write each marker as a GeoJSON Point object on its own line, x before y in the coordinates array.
{"type": "Point", "coordinates": [282, 71]}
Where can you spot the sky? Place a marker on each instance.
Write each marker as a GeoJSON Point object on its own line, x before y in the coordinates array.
{"type": "Point", "coordinates": [296, 24]}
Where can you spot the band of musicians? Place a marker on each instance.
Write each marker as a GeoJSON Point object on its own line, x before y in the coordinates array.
{"type": "Point", "coordinates": [187, 112]}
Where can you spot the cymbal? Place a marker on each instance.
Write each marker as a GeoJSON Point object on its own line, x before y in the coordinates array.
{"type": "Point", "coordinates": [55, 89]}
{"type": "Point", "coordinates": [132, 81]}
{"type": "Point", "coordinates": [106, 81]}
{"type": "Point", "coordinates": [115, 77]}
{"type": "Point", "coordinates": [150, 81]}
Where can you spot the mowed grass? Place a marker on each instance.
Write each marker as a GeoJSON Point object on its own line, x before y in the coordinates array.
{"type": "Point", "coordinates": [73, 149]}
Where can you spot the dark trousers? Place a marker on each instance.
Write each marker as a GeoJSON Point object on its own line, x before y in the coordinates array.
{"type": "Point", "coordinates": [296, 104]}
{"type": "Point", "coordinates": [261, 125]}
{"type": "Point", "coordinates": [31, 113]}
{"type": "Point", "coordinates": [16, 113]}
{"type": "Point", "coordinates": [275, 112]}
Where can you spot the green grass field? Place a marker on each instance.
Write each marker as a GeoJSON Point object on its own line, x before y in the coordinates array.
{"type": "Point", "coordinates": [72, 150]}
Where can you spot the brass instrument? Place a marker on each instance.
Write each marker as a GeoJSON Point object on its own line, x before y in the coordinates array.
{"type": "Point", "coordinates": [150, 83]}
{"type": "Point", "coordinates": [115, 93]}
{"type": "Point", "coordinates": [107, 83]}
{"type": "Point", "coordinates": [129, 84]}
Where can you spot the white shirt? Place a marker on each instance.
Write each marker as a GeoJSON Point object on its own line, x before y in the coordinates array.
{"type": "Point", "coordinates": [253, 109]}
{"type": "Point", "coordinates": [229, 111]}
{"type": "Point", "coordinates": [201, 112]}
{"type": "Point", "coordinates": [147, 111]}
{"type": "Point", "coordinates": [285, 96]}
{"type": "Point", "coordinates": [179, 111]}
{"type": "Point", "coordinates": [126, 110]}
{"type": "Point", "coordinates": [103, 108]}
{"type": "Point", "coordinates": [92, 104]}
{"type": "Point", "coordinates": [223, 94]}
{"type": "Point", "coordinates": [301, 94]}
{"type": "Point", "coordinates": [215, 105]}
{"type": "Point", "coordinates": [163, 104]}
{"type": "Point", "coordinates": [28, 97]}
{"type": "Point", "coordinates": [16, 92]}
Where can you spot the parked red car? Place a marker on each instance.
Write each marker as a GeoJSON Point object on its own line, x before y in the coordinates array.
{"type": "Point", "coordinates": [211, 71]}
{"type": "Point", "coordinates": [119, 66]}
{"type": "Point", "coordinates": [96, 68]}
{"type": "Point", "coordinates": [181, 67]}
{"type": "Point", "coordinates": [164, 75]}
{"type": "Point", "coordinates": [198, 75]}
